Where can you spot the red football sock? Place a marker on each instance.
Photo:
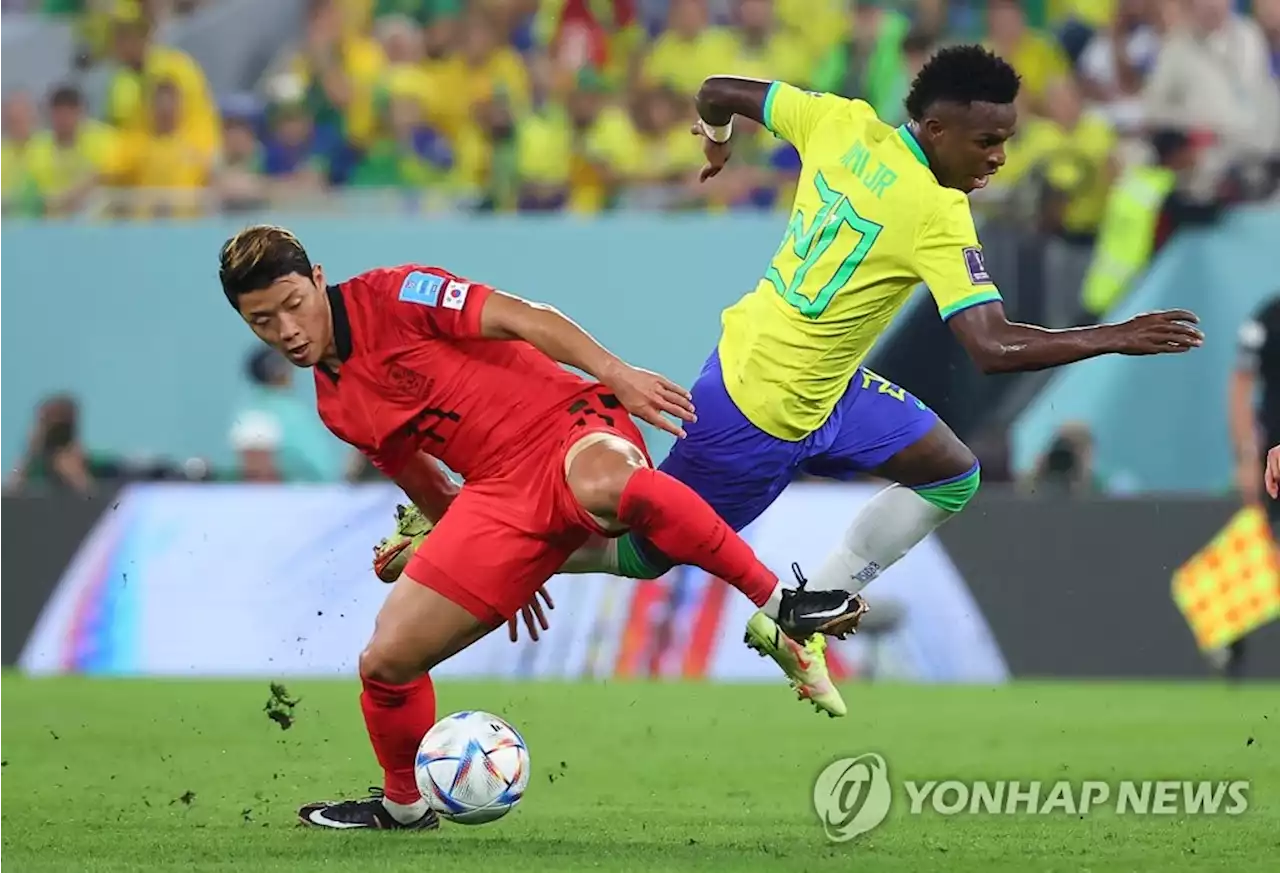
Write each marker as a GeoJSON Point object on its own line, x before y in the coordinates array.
{"type": "Point", "coordinates": [397, 717]}
{"type": "Point", "coordinates": [683, 527]}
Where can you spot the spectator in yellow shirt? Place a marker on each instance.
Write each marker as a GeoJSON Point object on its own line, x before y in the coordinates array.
{"type": "Point", "coordinates": [18, 120]}
{"type": "Point", "coordinates": [67, 161]}
{"type": "Point", "coordinates": [818, 23]}
{"type": "Point", "coordinates": [689, 51]}
{"type": "Point", "coordinates": [142, 64]}
{"type": "Point", "coordinates": [1068, 153]}
{"type": "Point", "coordinates": [1081, 168]}
{"type": "Point", "coordinates": [483, 69]}
{"type": "Point", "coordinates": [662, 172]}
{"type": "Point", "coordinates": [544, 159]}
{"type": "Point", "coordinates": [170, 168]}
{"type": "Point", "coordinates": [1036, 56]}
{"type": "Point", "coordinates": [336, 69]}
{"type": "Point", "coordinates": [605, 143]}
{"type": "Point", "coordinates": [764, 51]}
{"type": "Point", "coordinates": [578, 156]}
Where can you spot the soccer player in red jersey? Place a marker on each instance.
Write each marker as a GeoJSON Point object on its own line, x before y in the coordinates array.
{"type": "Point", "coordinates": [414, 364]}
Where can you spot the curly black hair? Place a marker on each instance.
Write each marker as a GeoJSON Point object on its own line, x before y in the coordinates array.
{"type": "Point", "coordinates": [962, 74]}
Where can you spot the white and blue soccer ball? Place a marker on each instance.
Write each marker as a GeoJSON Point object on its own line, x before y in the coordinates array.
{"type": "Point", "coordinates": [472, 767]}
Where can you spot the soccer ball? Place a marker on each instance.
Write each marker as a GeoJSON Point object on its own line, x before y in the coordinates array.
{"type": "Point", "coordinates": [472, 767]}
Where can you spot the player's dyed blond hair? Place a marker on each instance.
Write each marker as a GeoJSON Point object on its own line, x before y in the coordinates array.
{"type": "Point", "coordinates": [256, 257]}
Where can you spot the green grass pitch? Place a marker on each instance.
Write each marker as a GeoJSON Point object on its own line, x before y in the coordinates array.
{"type": "Point", "coordinates": [120, 775]}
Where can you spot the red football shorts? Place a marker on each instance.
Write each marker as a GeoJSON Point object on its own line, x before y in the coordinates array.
{"type": "Point", "coordinates": [504, 537]}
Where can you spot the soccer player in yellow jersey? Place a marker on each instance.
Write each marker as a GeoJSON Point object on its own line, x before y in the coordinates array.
{"type": "Point", "coordinates": [878, 210]}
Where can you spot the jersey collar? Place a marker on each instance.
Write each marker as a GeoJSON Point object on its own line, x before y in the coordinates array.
{"type": "Point", "coordinates": [341, 327]}
{"type": "Point", "coordinates": [913, 144]}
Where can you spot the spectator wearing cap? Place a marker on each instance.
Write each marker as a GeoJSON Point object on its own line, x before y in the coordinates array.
{"type": "Point", "coordinates": [276, 433]}
{"type": "Point", "coordinates": [73, 156]}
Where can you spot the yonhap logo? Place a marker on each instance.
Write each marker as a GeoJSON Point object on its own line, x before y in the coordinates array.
{"type": "Point", "coordinates": [852, 796]}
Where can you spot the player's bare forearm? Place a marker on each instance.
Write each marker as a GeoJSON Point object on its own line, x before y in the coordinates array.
{"type": "Point", "coordinates": [426, 483]}
{"type": "Point", "coordinates": [998, 345]}
{"type": "Point", "coordinates": [722, 97]}
{"type": "Point", "coordinates": [548, 331]}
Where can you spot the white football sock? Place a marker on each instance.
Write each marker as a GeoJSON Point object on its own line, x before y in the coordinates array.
{"type": "Point", "coordinates": [774, 603]}
{"type": "Point", "coordinates": [406, 813]}
{"type": "Point", "coordinates": [887, 527]}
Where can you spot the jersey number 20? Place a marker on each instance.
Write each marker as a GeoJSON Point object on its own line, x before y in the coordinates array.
{"type": "Point", "coordinates": [810, 244]}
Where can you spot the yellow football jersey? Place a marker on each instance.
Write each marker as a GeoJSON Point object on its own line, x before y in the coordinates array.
{"type": "Point", "coordinates": [868, 224]}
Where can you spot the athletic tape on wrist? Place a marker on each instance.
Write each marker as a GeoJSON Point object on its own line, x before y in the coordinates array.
{"type": "Point", "coordinates": [717, 133]}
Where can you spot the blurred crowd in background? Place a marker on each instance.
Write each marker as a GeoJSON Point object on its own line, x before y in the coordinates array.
{"type": "Point", "coordinates": [1137, 117]}
{"type": "Point", "coordinates": [585, 105]}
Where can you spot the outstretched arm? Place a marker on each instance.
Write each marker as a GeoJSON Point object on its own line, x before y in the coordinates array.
{"type": "Point", "coordinates": [998, 345]}
{"type": "Point", "coordinates": [645, 395]}
{"type": "Point", "coordinates": [507, 317]}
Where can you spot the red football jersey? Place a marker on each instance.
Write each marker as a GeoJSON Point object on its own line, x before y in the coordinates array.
{"type": "Point", "coordinates": [417, 375]}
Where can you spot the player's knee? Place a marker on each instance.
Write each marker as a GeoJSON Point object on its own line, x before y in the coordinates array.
{"type": "Point", "coordinates": [382, 663]}
{"type": "Point", "coordinates": [599, 475]}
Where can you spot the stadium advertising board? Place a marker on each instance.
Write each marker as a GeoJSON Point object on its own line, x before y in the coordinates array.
{"type": "Point", "coordinates": [262, 581]}
{"type": "Point", "coordinates": [41, 533]}
{"type": "Point", "coordinates": [243, 580]}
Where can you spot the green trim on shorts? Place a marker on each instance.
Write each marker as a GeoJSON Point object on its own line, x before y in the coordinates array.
{"type": "Point", "coordinates": [952, 496]}
{"type": "Point", "coordinates": [632, 564]}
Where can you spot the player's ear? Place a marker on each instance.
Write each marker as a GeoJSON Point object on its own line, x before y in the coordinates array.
{"type": "Point", "coordinates": [317, 276]}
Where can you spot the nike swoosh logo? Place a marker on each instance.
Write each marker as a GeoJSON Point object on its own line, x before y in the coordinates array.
{"type": "Point", "coordinates": [830, 613]}
{"type": "Point", "coordinates": [382, 559]}
{"type": "Point", "coordinates": [317, 817]}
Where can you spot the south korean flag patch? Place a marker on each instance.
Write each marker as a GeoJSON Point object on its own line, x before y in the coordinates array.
{"type": "Point", "coordinates": [455, 294]}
